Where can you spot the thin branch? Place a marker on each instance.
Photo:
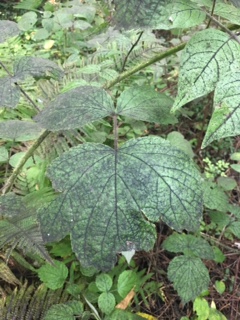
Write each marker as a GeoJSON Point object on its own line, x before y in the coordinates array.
{"type": "Point", "coordinates": [212, 11]}
{"type": "Point", "coordinates": [129, 52]}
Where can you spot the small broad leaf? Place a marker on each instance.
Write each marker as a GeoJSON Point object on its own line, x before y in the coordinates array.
{"type": "Point", "coordinates": [104, 282]}
{"type": "Point", "coordinates": [225, 121]}
{"type": "Point", "coordinates": [144, 103]}
{"type": "Point", "coordinates": [53, 276]}
{"type": "Point", "coordinates": [76, 108]}
{"type": "Point", "coordinates": [8, 29]}
{"type": "Point", "coordinates": [36, 67]}
{"type": "Point", "coordinates": [189, 276]}
{"type": "Point", "coordinates": [228, 12]}
{"type": "Point", "coordinates": [201, 307]}
{"type": "Point", "coordinates": [207, 57]}
{"type": "Point", "coordinates": [214, 197]}
{"type": "Point", "coordinates": [107, 193]}
{"type": "Point", "coordinates": [188, 244]}
{"type": "Point", "coordinates": [27, 21]}
{"type": "Point", "coordinates": [19, 130]}
{"type": "Point", "coordinates": [9, 92]}
{"type": "Point", "coordinates": [178, 140]}
{"type": "Point", "coordinates": [64, 311]}
{"type": "Point", "coordinates": [3, 154]}
{"type": "Point", "coordinates": [127, 280]}
{"type": "Point", "coordinates": [106, 302]}
{"type": "Point", "coordinates": [119, 314]}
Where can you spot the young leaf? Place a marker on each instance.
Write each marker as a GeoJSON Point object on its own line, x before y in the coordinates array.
{"type": "Point", "coordinates": [8, 29]}
{"type": "Point", "coordinates": [127, 280]}
{"type": "Point", "coordinates": [144, 103]}
{"type": "Point", "coordinates": [104, 282]}
{"type": "Point", "coordinates": [107, 193]}
{"type": "Point", "coordinates": [214, 197]}
{"type": "Point", "coordinates": [9, 92]}
{"type": "Point", "coordinates": [188, 244]}
{"type": "Point", "coordinates": [19, 130]}
{"type": "Point", "coordinates": [225, 119]}
{"type": "Point", "coordinates": [106, 302]}
{"type": "Point", "coordinates": [207, 57]}
{"type": "Point", "coordinates": [189, 276]}
{"type": "Point", "coordinates": [53, 276]}
{"type": "Point", "coordinates": [76, 108]}
{"type": "Point", "coordinates": [36, 67]}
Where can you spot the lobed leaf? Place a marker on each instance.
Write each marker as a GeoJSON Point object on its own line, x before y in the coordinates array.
{"type": "Point", "coordinates": [205, 60]}
{"type": "Point", "coordinates": [189, 276]}
{"type": "Point", "coordinates": [108, 194]}
{"type": "Point", "coordinates": [53, 276]}
{"type": "Point", "coordinates": [76, 108]}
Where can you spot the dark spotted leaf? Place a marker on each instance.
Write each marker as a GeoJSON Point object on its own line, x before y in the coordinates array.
{"type": "Point", "coordinates": [225, 121]}
{"type": "Point", "coordinates": [19, 130]}
{"type": "Point", "coordinates": [37, 68]}
{"type": "Point", "coordinates": [9, 92]}
{"type": "Point", "coordinates": [76, 108]}
{"type": "Point", "coordinates": [144, 103]}
{"type": "Point", "coordinates": [189, 276]}
{"type": "Point", "coordinates": [8, 29]}
{"type": "Point", "coordinates": [207, 57]}
{"type": "Point", "coordinates": [107, 195]}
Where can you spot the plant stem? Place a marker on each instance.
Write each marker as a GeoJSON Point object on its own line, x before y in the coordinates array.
{"type": "Point", "coordinates": [8, 185]}
{"type": "Point", "coordinates": [143, 65]}
{"type": "Point", "coordinates": [115, 132]}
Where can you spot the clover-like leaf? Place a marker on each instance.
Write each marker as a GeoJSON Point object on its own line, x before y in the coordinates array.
{"type": "Point", "coordinates": [188, 244]}
{"type": "Point", "coordinates": [189, 275]}
{"type": "Point", "coordinates": [225, 121]}
{"type": "Point", "coordinates": [76, 108]}
{"type": "Point", "coordinates": [207, 57]}
{"type": "Point", "coordinates": [107, 193]}
{"type": "Point", "coordinates": [144, 103]}
{"type": "Point", "coordinates": [9, 92]}
{"type": "Point", "coordinates": [19, 130]}
{"type": "Point", "coordinates": [36, 67]}
{"type": "Point", "coordinates": [8, 29]}
{"type": "Point", "coordinates": [106, 302]}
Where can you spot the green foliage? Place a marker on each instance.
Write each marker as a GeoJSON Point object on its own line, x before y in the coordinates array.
{"type": "Point", "coordinates": [111, 183]}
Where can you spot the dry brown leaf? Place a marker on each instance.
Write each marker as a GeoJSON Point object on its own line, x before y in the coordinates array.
{"type": "Point", "coordinates": [126, 301]}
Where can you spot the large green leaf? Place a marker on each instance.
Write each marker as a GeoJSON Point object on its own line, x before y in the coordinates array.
{"type": "Point", "coordinates": [225, 121]}
{"type": "Point", "coordinates": [8, 29]}
{"type": "Point", "coordinates": [157, 14]}
{"type": "Point", "coordinates": [76, 108]}
{"type": "Point", "coordinates": [144, 103]}
{"type": "Point", "coordinates": [36, 67]}
{"type": "Point", "coordinates": [188, 244]}
{"type": "Point", "coordinates": [9, 92]}
{"type": "Point", "coordinates": [19, 130]}
{"type": "Point", "coordinates": [207, 57]}
{"type": "Point", "coordinates": [107, 196]}
{"type": "Point", "coordinates": [189, 276]}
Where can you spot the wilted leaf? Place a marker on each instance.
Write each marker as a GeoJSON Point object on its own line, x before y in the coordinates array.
{"type": "Point", "coordinates": [9, 92]}
{"type": "Point", "coordinates": [189, 276]}
{"type": "Point", "coordinates": [36, 67]}
{"type": "Point", "coordinates": [19, 130]}
{"type": "Point", "coordinates": [144, 103]}
{"type": "Point", "coordinates": [188, 244]}
{"type": "Point", "coordinates": [207, 57]}
{"type": "Point", "coordinates": [107, 194]}
{"type": "Point", "coordinates": [126, 301]}
{"type": "Point", "coordinates": [7, 275]}
{"type": "Point", "coordinates": [8, 29]}
{"type": "Point", "coordinates": [76, 108]}
{"type": "Point", "coordinates": [225, 121]}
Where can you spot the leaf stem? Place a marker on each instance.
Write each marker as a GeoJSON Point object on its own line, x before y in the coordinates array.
{"type": "Point", "coordinates": [115, 131]}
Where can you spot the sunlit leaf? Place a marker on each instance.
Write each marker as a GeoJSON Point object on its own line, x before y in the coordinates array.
{"type": "Point", "coordinates": [8, 29]}
{"type": "Point", "coordinates": [53, 276]}
{"type": "Point", "coordinates": [76, 108]}
{"type": "Point", "coordinates": [189, 276]}
{"type": "Point", "coordinates": [127, 280]}
{"type": "Point", "coordinates": [207, 57]}
{"type": "Point", "coordinates": [27, 21]}
{"type": "Point", "coordinates": [225, 121]}
{"type": "Point", "coordinates": [107, 194]}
